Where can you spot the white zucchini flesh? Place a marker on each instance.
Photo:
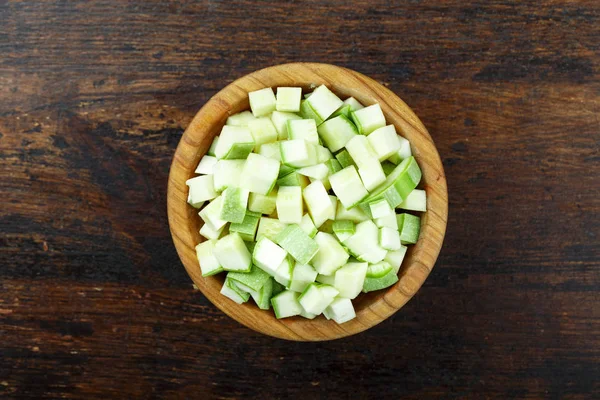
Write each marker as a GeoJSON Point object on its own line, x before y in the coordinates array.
{"type": "Point", "coordinates": [209, 265]}
{"type": "Point", "coordinates": [341, 310]}
{"type": "Point", "coordinates": [348, 187]}
{"type": "Point", "coordinates": [288, 99]}
{"type": "Point", "coordinates": [206, 165]}
{"type": "Point", "coordinates": [350, 278]}
{"type": "Point", "coordinates": [268, 256]}
{"type": "Point", "coordinates": [259, 174]}
{"type": "Point", "coordinates": [415, 201]}
{"type": "Point", "coordinates": [262, 102]}
{"type": "Point", "coordinates": [318, 203]}
{"type": "Point", "coordinates": [232, 253]}
{"type": "Point", "coordinates": [289, 204]}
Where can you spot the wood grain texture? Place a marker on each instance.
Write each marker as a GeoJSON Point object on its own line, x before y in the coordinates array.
{"type": "Point", "coordinates": [370, 308]}
{"type": "Point", "coordinates": [95, 96]}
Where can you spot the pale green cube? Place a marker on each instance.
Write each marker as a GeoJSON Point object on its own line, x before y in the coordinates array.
{"type": "Point", "coordinates": [235, 201]}
{"type": "Point", "coordinates": [262, 102]}
{"type": "Point", "coordinates": [288, 99]}
{"type": "Point", "coordinates": [259, 174]}
{"type": "Point", "coordinates": [331, 254]}
{"type": "Point", "coordinates": [289, 204]}
{"type": "Point", "coordinates": [209, 265]}
{"type": "Point", "coordinates": [232, 254]}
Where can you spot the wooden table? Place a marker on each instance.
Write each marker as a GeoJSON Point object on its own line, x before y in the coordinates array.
{"type": "Point", "coordinates": [94, 96]}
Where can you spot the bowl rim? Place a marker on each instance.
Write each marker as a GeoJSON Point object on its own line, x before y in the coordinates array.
{"type": "Point", "coordinates": [374, 307]}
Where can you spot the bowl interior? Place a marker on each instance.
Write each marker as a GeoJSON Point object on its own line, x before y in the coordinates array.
{"type": "Point", "coordinates": [371, 308]}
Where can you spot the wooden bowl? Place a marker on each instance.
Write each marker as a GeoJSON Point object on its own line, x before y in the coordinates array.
{"type": "Point", "coordinates": [371, 308]}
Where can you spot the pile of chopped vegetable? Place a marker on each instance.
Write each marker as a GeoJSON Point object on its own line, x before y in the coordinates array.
{"type": "Point", "coordinates": [302, 195]}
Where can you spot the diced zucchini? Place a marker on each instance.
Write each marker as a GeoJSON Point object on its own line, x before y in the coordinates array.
{"type": "Point", "coordinates": [213, 146]}
{"type": "Point", "coordinates": [289, 204]}
{"type": "Point", "coordinates": [389, 239]}
{"type": "Point", "coordinates": [262, 102]}
{"type": "Point", "coordinates": [307, 112]}
{"type": "Point", "coordinates": [231, 291]}
{"type": "Point", "coordinates": [247, 228]}
{"type": "Point", "coordinates": [263, 298]}
{"type": "Point", "coordinates": [324, 102]}
{"type": "Point", "coordinates": [377, 280]}
{"type": "Point", "coordinates": [318, 171]}
{"type": "Point", "coordinates": [302, 276]}
{"type": "Point", "coordinates": [208, 232]}
{"type": "Point", "coordinates": [235, 142]}
{"type": "Point", "coordinates": [303, 129]}
{"type": "Point", "coordinates": [209, 265]}
{"type": "Point", "coordinates": [240, 119]}
{"type": "Point", "coordinates": [285, 170]}
{"type": "Point", "coordinates": [262, 204]}
{"type": "Point", "coordinates": [333, 166]}
{"type": "Point", "coordinates": [350, 278]}
{"type": "Point", "coordinates": [269, 227]}
{"type": "Point", "coordinates": [318, 203]}
{"type": "Point", "coordinates": [316, 297]}
{"type": "Point", "coordinates": [337, 132]}
{"type": "Point", "coordinates": [211, 214]}
{"type": "Point", "coordinates": [308, 226]}
{"type": "Point", "coordinates": [326, 279]}
{"type": "Point", "coordinates": [283, 274]}
{"type": "Point", "coordinates": [353, 103]}
{"type": "Point", "coordinates": [263, 131]}
{"type": "Point", "coordinates": [395, 258]}
{"type": "Point", "coordinates": [323, 154]}
{"type": "Point", "coordinates": [368, 119]}
{"type": "Point", "coordinates": [286, 304]}
{"type": "Point", "coordinates": [270, 150]}
{"type": "Point", "coordinates": [297, 243]}
{"type": "Point", "coordinates": [201, 188]}
{"type": "Point", "coordinates": [195, 205]}
{"type": "Point", "coordinates": [348, 187]}
{"type": "Point", "coordinates": [380, 208]}
{"type": "Point", "coordinates": [280, 119]}
{"type": "Point", "coordinates": [371, 174]}
{"type": "Point", "coordinates": [361, 151]}
{"type": "Point", "coordinates": [267, 255]}
{"type": "Point", "coordinates": [402, 153]}
{"type": "Point", "coordinates": [344, 110]}
{"type": "Point", "coordinates": [364, 244]}
{"type": "Point", "coordinates": [344, 226]}
{"type": "Point", "coordinates": [345, 159]}
{"type": "Point", "coordinates": [294, 179]}
{"type": "Point", "coordinates": [298, 153]}
{"type": "Point", "coordinates": [232, 254]}
{"type": "Point", "coordinates": [255, 279]}
{"type": "Point", "coordinates": [235, 201]}
{"type": "Point", "coordinates": [259, 174]}
{"type": "Point", "coordinates": [288, 99]}
{"type": "Point", "coordinates": [398, 184]}
{"type": "Point", "coordinates": [206, 164]}
{"type": "Point", "coordinates": [415, 201]}
{"type": "Point", "coordinates": [409, 227]}
{"type": "Point", "coordinates": [340, 310]}
{"type": "Point", "coordinates": [384, 141]}
{"type": "Point", "coordinates": [355, 214]}
{"type": "Point", "coordinates": [227, 173]}
{"type": "Point", "coordinates": [389, 221]}
{"type": "Point", "coordinates": [331, 254]}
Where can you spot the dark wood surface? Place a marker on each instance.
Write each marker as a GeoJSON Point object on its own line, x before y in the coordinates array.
{"type": "Point", "coordinates": [94, 96]}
